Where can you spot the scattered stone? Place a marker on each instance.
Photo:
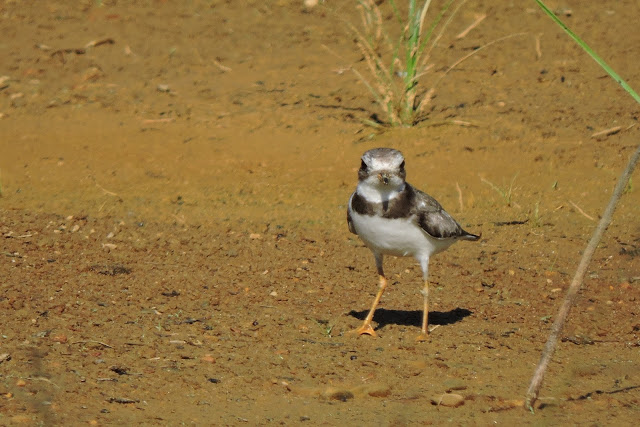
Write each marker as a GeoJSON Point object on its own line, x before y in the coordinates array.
{"type": "Point", "coordinates": [310, 4]}
{"type": "Point", "coordinates": [450, 400]}
{"type": "Point", "coordinates": [454, 384]}
{"type": "Point", "coordinates": [208, 358]}
{"type": "Point", "coordinates": [373, 390]}
{"type": "Point", "coordinates": [92, 74]}
{"type": "Point", "coordinates": [173, 293]}
{"type": "Point", "coordinates": [110, 269]}
{"type": "Point", "coordinates": [60, 338]}
{"type": "Point", "coordinates": [120, 370]}
{"type": "Point", "coordinates": [122, 400]}
{"type": "Point", "coordinates": [578, 339]}
{"type": "Point", "coordinates": [22, 419]}
{"type": "Point", "coordinates": [107, 246]}
{"type": "Point", "coordinates": [342, 395]}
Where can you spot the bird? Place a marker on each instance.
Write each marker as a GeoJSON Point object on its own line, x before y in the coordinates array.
{"type": "Point", "coordinates": [392, 217]}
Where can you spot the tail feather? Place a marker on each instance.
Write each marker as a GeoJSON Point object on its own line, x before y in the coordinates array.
{"type": "Point", "coordinates": [471, 237]}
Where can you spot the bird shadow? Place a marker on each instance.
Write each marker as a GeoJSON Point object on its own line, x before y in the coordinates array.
{"type": "Point", "coordinates": [386, 317]}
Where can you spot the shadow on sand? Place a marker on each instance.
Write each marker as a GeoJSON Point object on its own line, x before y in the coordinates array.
{"type": "Point", "coordinates": [412, 318]}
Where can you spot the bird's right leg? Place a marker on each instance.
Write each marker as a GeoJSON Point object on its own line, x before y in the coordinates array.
{"type": "Point", "coordinates": [424, 333]}
{"type": "Point", "coordinates": [366, 327]}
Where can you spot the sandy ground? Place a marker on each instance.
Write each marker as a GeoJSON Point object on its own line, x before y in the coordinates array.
{"type": "Point", "coordinates": [174, 248]}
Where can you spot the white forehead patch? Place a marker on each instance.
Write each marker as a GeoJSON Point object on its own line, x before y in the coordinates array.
{"type": "Point", "coordinates": [383, 159]}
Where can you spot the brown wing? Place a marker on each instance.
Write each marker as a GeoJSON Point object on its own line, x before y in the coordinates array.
{"type": "Point", "coordinates": [433, 219]}
{"type": "Point", "coordinates": [349, 221]}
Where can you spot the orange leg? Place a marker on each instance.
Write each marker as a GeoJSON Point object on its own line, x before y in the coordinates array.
{"type": "Point", "coordinates": [366, 326]}
{"type": "Point", "coordinates": [424, 334]}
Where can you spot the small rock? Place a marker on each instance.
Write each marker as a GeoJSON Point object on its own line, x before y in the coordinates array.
{"type": "Point", "coordinates": [450, 400]}
{"type": "Point", "coordinates": [341, 395]}
{"type": "Point", "coordinates": [92, 74]}
{"type": "Point", "coordinates": [454, 384]}
{"type": "Point", "coordinates": [21, 419]}
{"type": "Point", "coordinates": [208, 358]}
{"type": "Point", "coordinates": [60, 338]}
{"type": "Point", "coordinates": [335, 393]}
{"type": "Point", "coordinates": [373, 390]}
{"type": "Point", "coordinates": [310, 4]}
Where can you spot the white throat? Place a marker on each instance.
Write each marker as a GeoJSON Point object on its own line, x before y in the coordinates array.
{"type": "Point", "coordinates": [378, 193]}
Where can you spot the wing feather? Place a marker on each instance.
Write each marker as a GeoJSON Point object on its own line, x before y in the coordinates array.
{"type": "Point", "coordinates": [434, 220]}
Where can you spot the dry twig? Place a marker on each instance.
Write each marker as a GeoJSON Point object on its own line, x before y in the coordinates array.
{"type": "Point", "coordinates": [576, 283]}
{"type": "Point", "coordinates": [607, 132]}
{"type": "Point", "coordinates": [460, 197]}
{"type": "Point", "coordinates": [538, 49]}
{"type": "Point", "coordinates": [581, 211]}
{"type": "Point", "coordinates": [475, 23]}
{"type": "Point", "coordinates": [92, 341]}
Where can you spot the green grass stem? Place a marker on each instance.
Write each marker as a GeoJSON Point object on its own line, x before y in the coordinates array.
{"type": "Point", "coordinates": [590, 51]}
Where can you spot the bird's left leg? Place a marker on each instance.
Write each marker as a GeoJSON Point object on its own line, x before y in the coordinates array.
{"type": "Point", "coordinates": [424, 333]}
{"type": "Point", "coordinates": [366, 327]}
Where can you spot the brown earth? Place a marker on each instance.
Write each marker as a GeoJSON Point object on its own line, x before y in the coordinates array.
{"type": "Point", "coordinates": [174, 247]}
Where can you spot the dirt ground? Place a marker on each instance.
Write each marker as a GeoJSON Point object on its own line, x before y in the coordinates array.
{"type": "Point", "coordinates": [174, 248]}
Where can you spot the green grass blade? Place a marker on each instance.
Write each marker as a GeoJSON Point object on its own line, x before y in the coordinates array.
{"type": "Point", "coordinates": [587, 49]}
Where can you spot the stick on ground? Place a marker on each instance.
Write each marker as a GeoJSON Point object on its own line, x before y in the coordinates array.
{"type": "Point", "coordinates": [558, 324]}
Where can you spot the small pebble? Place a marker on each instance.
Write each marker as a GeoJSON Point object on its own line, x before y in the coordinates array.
{"type": "Point", "coordinates": [341, 395]}
{"type": "Point", "coordinates": [450, 400]}
{"type": "Point", "coordinates": [59, 338]}
{"type": "Point", "coordinates": [454, 384]}
{"type": "Point", "coordinates": [208, 358]}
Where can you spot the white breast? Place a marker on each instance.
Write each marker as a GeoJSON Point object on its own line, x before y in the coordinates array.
{"type": "Point", "coordinates": [399, 237]}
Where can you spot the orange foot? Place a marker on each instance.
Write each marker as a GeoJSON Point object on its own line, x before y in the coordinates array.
{"type": "Point", "coordinates": [422, 337]}
{"type": "Point", "coordinates": [365, 329]}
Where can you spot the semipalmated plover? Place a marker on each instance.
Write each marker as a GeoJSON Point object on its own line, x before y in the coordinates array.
{"type": "Point", "coordinates": [394, 218]}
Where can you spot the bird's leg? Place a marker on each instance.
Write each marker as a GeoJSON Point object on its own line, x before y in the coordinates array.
{"type": "Point", "coordinates": [366, 326]}
{"type": "Point", "coordinates": [424, 334]}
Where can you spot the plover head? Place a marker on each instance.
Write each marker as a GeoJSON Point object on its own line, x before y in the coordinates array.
{"type": "Point", "coordinates": [382, 168]}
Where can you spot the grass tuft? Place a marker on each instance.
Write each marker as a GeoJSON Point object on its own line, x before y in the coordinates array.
{"type": "Point", "coordinates": [505, 192]}
{"type": "Point", "coordinates": [397, 66]}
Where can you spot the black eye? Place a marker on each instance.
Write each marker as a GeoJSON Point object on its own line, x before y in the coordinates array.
{"type": "Point", "coordinates": [363, 166]}
{"type": "Point", "coordinates": [402, 165]}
